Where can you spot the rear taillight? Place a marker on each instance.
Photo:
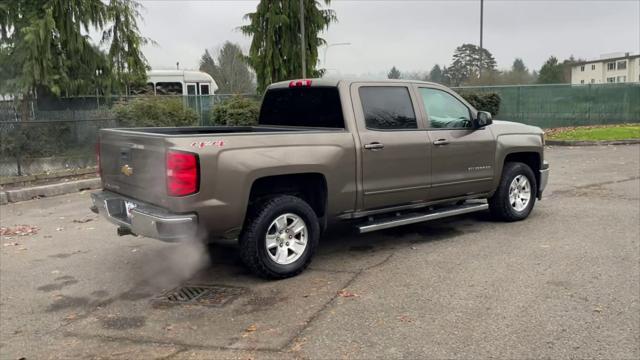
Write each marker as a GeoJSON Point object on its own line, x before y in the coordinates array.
{"type": "Point", "coordinates": [183, 173]}
{"type": "Point", "coordinates": [98, 168]}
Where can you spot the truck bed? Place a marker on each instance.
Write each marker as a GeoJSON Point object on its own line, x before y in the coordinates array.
{"type": "Point", "coordinates": [206, 130]}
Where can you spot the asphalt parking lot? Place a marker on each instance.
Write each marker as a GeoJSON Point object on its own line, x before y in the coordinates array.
{"type": "Point", "coordinates": [563, 284]}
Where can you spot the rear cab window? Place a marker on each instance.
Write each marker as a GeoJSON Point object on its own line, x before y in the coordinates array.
{"type": "Point", "coordinates": [317, 106]}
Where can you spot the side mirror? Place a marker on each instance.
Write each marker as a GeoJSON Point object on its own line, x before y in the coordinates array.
{"type": "Point", "coordinates": [483, 119]}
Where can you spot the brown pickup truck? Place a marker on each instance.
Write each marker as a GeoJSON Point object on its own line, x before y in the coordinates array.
{"type": "Point", "coordinates": [376, 154]}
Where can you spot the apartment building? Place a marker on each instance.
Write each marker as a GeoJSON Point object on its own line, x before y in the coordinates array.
{"type": "Point", "coordinates": [610, 68]}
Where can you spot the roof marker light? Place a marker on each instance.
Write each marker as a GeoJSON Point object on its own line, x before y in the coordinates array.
{"type": "Point", "coordinates": [300, 83]}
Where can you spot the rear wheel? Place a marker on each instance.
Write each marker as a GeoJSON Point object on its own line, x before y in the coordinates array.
{"type": "Point", "coordinates": [280, 237]}
{"type": "Point", "coordinates": [516, 194]}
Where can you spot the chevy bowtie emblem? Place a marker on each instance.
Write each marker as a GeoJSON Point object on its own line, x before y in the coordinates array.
{"type": "Point", "coordinates": [126, 170]}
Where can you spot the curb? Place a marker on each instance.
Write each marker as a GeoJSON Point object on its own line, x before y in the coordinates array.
{"type": "Point", "coordinates": [590, 143]}
{"type": "Point", "coordinates": [12, 196]}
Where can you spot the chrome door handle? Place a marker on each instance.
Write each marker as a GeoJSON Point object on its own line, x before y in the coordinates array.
{"type": "Point", "coordinates": [441, 142]}
{"type": "Point", "coordinates": [374, 146]}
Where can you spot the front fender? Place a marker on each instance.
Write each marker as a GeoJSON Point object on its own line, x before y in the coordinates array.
{"type": "Point", "coordinates": [508, 144]}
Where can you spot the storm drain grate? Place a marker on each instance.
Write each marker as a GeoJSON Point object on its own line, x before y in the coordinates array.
{"type": "Point", "coordinates": [207, 295]}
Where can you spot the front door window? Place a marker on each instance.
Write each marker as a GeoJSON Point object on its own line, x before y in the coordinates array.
{"type": "Point", "coordinates": [444, 110]}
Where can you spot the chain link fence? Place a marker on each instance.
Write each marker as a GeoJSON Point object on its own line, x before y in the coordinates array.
{"type": "Point", "coordinates": [549, 106]}
{"type": "Point", "coordinates": [50, 136]}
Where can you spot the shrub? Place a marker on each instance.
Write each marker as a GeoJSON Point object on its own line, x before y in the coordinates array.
{"type": "Point", "coordinates": [151, 111]}
{"type": "Point", "coordinates": [483, 101]}
{"type": "Point", "coordinates": [236, 111]}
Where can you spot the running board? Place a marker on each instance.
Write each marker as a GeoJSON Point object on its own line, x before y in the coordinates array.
{"type": "Point", "coordinates": [416, 218]}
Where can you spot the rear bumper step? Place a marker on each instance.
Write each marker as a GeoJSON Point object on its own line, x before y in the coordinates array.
{"type": "Point", "coordinates": [413, 218]}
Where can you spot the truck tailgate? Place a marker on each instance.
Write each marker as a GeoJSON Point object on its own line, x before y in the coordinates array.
{"type": "Point", "coordinates": [134, 165]}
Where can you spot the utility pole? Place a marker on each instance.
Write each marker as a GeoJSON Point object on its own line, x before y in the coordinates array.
{"type": "Point", "coordinates": [303, 46]}
{"type": "Point", "coordinates": [481, 20]}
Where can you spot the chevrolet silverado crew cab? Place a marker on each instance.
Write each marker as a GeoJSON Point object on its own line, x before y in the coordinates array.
{"type": "Point", "coordinates": [376, 154]}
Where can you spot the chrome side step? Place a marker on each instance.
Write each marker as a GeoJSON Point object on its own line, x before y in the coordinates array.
{"type": "Point", "coordinates": [420, 217]}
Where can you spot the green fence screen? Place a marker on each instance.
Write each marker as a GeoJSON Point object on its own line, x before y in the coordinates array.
{"type": "Point", "coordinates": [561, 105]}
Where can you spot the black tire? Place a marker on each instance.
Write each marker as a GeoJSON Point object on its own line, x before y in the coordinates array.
{"type": "Point", "coordinates": [499, 203]}
{"type": "Point", "coordinates": [253, 250]}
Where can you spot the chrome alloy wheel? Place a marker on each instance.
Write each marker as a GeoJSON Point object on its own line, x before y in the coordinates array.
{"type": "Point", "coordinates": [519, 193]}
{"type": "Point", "coordinates": [286, 239]}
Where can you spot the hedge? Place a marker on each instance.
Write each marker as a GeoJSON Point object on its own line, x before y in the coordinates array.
{"type": "Point", "coordinates": [483, 101]}
{"type": "Point", "coordinates": [152, 111]}
{"type": "Point", "coordinates": [236, 111]}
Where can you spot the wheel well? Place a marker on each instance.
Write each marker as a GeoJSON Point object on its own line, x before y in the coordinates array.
{"type": "Point", "coordinates": [310, 187]}
{"type": "Point", "coordinates": [530, 158]}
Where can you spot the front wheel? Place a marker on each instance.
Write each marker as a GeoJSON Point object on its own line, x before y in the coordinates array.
{"type": "Point", "coordinates": [280, 237]}
{"type": "Point", "coordinates": [516, 194]}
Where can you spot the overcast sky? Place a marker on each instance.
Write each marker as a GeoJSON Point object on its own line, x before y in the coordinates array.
{"type": "Point", "coordinates": [412, 35]}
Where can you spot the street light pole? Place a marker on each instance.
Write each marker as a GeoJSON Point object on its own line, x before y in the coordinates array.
{"type": "Point", "coordinates": [303, 46]}
{"type": "Point", "coordinates": [481, 20]}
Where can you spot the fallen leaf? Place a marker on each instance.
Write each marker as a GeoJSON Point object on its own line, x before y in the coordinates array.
{"type": "Point", "coordinates": [251, 328]}
{"type": "Point", "coordinates": [297, 345]}
{"type": "Point", "coordinates": [19, 230]}
{"type": "Point", "coordinates": [346, 293]}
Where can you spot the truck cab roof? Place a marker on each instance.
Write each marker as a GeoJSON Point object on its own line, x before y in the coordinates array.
{"type": "Point", "coordinates": [336, 82]}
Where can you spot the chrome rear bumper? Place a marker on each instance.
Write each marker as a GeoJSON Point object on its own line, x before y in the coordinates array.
{"type": "Point", "coordinates": [146, 220]}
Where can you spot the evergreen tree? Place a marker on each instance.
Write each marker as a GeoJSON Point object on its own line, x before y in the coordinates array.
{"type": "Point", "coordinates": [518, 66]}
{"type": "Point", "coordinates": [518, 75]}
{"type": "Point", "coordinates": [394, 73]}
{"type": "Point", "coordinates": [129, 66]}
{"type": "Point", "coordinates": [276, 39]}
{"type": "Point", "coordinates": [435, 74]}
{"type": "Point", "coordinates": [468, 59]}
{"type": "Point", "coordinates": [231, 72]}
{"type": "Point", "coordinates": [551, 72]}
{"type": "Point", "coordinates": [207, 64]}
{"type": "Point", "coordinates": [44, 47]}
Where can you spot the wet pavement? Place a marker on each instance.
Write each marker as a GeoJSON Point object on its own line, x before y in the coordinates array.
{"type": "Point", "coordinates": [565, 283]}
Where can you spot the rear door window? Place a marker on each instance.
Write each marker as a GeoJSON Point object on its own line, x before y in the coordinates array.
{"type": "Point", "coordinates": [302, 106]}
{"type": "Point", "coordinates": [387, 108]}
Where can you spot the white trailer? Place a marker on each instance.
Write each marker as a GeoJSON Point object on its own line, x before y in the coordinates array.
{"type": "Point", "coordinates": [180, 82]}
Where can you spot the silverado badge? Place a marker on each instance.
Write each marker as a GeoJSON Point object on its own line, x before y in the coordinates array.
{"type": "Point", "coordinates": [126, 170]}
